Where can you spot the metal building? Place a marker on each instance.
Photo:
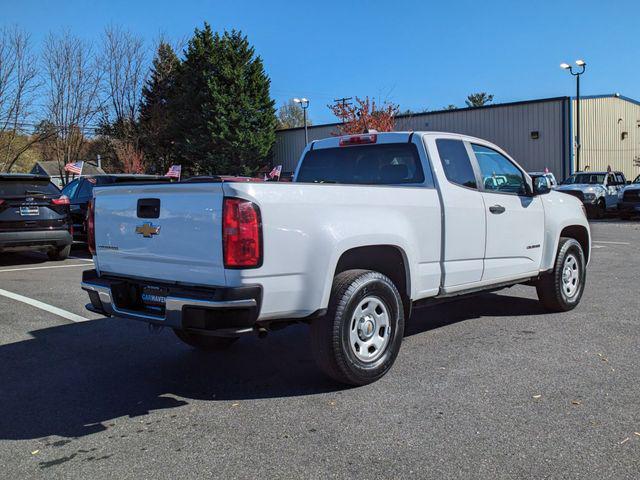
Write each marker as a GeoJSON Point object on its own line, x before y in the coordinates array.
{"type": "Point", "coordinates": [537, 133]}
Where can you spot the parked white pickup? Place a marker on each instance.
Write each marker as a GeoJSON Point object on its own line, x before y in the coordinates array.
{"type": "Point", "coordinates": [371, 225]}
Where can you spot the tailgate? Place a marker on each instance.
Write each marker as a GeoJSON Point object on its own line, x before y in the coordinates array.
{"type": "Point", "coordinates": [168, 232]}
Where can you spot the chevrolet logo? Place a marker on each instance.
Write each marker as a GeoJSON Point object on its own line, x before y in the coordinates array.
{"type": "Point", "coordinates": [147, 230]}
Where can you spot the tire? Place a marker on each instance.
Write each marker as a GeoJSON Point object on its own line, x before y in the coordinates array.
{"type": "Point", "coordinates": [359, 338]}
{"type": "Point", "coordinates": [557, 290]}
{"type": "Point", "coordinates": [601, 209]}
{"type": "Point", "coordinates": [59, 253]}
{"type": "Point", "coordinates": [206, 343]}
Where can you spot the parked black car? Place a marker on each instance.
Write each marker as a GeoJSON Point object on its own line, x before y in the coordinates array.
{"type": "Point", "coordinates": [34, 215]}
{"type": "Point", "coordinates": [80, 192]}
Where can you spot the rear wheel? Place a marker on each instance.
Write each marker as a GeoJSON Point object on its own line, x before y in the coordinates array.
{"type": "Point", "coordinates": [205, 342]}
{"type": "Point", "coordinates": [59, 253]}
{"type": "Point", "coordinates": [561, 289]}
{"type": "Point", "coordinates": [358, 340]}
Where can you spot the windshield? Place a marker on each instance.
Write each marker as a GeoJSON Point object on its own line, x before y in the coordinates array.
{"type": "Point", "coordinates": [26, 187]}
{"type": "Point", "coordinates": [637, 180]}
{"type": "Point", "coordinates": [590, 178]}
{"type": "Point", "coordinates": [384, 164]}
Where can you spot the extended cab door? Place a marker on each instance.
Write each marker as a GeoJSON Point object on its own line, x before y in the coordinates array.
{"type": "Point", "coordinates": [464, 222]}
{"type": "Point", "coordinates": [515, 220]}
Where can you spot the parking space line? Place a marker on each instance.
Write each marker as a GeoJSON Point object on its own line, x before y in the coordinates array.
{"type": "Point", "coordinates": [612, 243]}
{"type": "Point", "coordinates": [41, 268]}
{"type": "Point", "coordinates": [43, 306]}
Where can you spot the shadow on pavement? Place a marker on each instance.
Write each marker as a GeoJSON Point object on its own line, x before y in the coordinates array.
{"type": "Point", "coordinates": [72, 380]}
{"type": "Point", "coordinates": [31, 258]}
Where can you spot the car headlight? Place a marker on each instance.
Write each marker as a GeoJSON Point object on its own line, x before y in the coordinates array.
{"type": "Point", "coordinates": [589, 197]}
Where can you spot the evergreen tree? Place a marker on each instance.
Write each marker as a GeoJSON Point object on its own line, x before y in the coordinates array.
{"type": "Point", "coordinates": [156, 123]}
{"type": "Point", "coordinates": [225, 115]}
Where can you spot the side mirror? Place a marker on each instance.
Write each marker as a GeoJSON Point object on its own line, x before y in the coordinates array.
{"type": "Point", "coordinates": [541, 185]}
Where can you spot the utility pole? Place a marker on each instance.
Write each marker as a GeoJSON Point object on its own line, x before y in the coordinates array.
{"type": "Point", "coordinates": [344, 101]}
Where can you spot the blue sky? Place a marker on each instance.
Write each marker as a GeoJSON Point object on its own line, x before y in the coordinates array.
{"type": "Point", "coordinates": [418, 54]}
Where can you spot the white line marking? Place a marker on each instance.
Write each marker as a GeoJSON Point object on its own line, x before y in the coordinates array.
{"type": "Point", "coordinates": [80, 258]}
{"type": "Point", "coordinates": [40, 268]}
{"type": "Point", "coordinates": [43, 306]}
{"type": "Point", "coordinates": [612, 243]}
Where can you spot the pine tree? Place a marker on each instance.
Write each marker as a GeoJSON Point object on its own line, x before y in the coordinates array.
{"type": "Point", "coordinates": [225, 114]}
{"type": "Point", "coordinates": [156, 123]}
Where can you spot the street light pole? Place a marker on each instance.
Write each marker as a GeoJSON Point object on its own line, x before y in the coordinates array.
{"type": "Point", "coordinates": [304, 104]}
{"type": "Point", "coordinates": [582, 64]}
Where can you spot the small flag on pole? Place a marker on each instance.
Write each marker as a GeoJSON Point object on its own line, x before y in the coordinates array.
{"type": "Point", "coordinates": [174, 171]}
{"type": "Point", "coordinates": [276, 172]}
{"type": "Point", "coordinates": [75, 168]}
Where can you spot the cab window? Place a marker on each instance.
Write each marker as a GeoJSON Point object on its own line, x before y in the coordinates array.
{"type": "Point", "coordinates": [456, 162]}
{"type": "Point", "coordinates": [499, 174]}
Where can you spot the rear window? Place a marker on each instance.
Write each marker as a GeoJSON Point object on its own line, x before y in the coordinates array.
{"type": "Point", "coordinates": [383, 164]}
{"type": "Point", "coordinates": [21, 188]}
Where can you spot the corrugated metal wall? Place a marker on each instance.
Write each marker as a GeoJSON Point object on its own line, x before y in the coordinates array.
{"type": "Point", "coordinates": [509, 126]}
{"type": "Point", "coordinates": [610, 131]}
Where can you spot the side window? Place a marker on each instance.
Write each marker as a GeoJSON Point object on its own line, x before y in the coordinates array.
{"type": "Point", "coordinates": [70, 189]}
{"type": "Point", "coordinates": [611, 180]}
{"type": "Point", "coordinates": [498, 172]}
{"type": "Point", "coordinates": [620, 179]}
{"type": "Point", "coordinates": [85, 190]}
{"type": "Point", "coordinates": [456, 162]}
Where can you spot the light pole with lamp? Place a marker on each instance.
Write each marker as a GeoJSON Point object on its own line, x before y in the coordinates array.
{"type": "Point", "coordinates": [304, 104]}
{"type": "Point", "coordinates": [582, 65]}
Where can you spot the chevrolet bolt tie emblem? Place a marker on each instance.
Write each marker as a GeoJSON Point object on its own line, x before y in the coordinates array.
{"type": "Point", "coordinates": [147, 230]}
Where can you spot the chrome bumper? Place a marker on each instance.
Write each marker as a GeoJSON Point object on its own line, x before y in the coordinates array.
{"type": "Point", "coordinates": [173, 307]}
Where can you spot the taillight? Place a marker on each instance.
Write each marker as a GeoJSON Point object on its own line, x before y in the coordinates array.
{"type": "Point", "coordinates": [358, 139]}
{"type": "Point", "coordinates": [241, 234]}
{"type": "Point", "coordinates": [91, 227]}
{"type": "Point", "coordinates": [63, 200]}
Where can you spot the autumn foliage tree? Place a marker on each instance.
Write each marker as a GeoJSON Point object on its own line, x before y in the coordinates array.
{"type": "Point", "coordinates": [365, 114]}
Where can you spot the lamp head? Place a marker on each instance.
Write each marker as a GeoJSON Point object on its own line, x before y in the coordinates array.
{"type": "Point", "coordinates": [581, 63]}
{"type": "Point", "coordinates": [565, 66]}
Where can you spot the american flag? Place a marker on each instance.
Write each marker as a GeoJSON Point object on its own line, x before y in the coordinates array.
{"type": "Point", "coordinates": [74, 167]}
{"type": "Point", "coordinates": [276, 172]}
{"type": "Point", "coordinates": [174, 171]}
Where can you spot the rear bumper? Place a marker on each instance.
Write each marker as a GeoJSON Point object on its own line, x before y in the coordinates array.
{"type": "Point", "coordinates": [35, 239]}
{"type": "Point", "coordinates": [220, 311]}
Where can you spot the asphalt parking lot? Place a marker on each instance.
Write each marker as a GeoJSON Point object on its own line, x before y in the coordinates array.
{"type": "Point", "coordinates": [487, 387]}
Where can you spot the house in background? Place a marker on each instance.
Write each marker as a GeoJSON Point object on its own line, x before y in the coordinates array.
{"type": "Point", "coordinates": [52, 169]}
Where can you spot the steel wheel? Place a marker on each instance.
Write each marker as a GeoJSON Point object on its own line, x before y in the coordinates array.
{"type": "Point", "coordinates": [570, 276]}
{"type": "Point", "coordinates": [370, 329]}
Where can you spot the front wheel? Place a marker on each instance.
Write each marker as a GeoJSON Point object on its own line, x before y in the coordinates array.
{"type": "Point", "coordinates": [205, 342]}
{"type": "Point", "coordinates": [561, 289]}
{"type": "Point", "coordinates": [358, 340]}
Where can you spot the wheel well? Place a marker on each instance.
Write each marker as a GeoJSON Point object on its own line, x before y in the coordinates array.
{"type": "Point", "coordinates": [386, 259]}
{"type": "Point", "coordinates": [580, 234]}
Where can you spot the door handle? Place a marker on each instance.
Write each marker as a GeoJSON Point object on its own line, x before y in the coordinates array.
{"type": "Point", "coordinates": [497, 209]}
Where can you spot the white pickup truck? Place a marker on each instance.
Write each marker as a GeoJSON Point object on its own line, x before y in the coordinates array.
{"type": "Point", "coordinates": [372, 225]}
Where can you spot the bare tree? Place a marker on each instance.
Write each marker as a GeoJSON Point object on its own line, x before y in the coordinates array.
{"type": "Point", "coordinates": [73, 86]}
{"type": "Point", "coordinates": [124, 60]}
{"type": "Point", "coordinates": [18, 82]}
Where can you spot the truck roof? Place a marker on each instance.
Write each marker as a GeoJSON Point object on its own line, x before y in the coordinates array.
{"type": "Point", "coordinates": [390, 137]}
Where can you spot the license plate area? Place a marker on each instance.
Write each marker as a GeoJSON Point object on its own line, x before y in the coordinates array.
{"type": "Point", "coordinates": [29, 211]}
{"type": "Point", "coordinates": [154, 297]}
